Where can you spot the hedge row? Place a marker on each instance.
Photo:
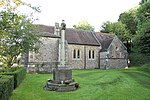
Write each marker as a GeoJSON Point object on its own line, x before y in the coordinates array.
{"type": "Point", "coordinates": [19, 74]}
{"type": "Point", "coordinates": [6, 87]}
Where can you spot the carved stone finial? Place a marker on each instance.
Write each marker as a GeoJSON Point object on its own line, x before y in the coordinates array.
{"type": "Point", "coordinates": [63, 25]}
{"type": "Point", "coordinates": [57, 25]}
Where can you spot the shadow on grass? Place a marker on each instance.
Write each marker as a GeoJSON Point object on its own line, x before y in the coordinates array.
{"type": "Point", "coordinates": [141, 78]}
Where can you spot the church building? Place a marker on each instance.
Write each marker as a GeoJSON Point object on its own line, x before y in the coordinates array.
{"type": "Point", "coordinates": [83, 50]}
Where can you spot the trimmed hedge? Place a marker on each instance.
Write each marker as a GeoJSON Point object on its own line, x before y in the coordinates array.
{"type": "Point", "coordinates": [6, 87]}
{"type": "Point", "coordinates": [19, 74]}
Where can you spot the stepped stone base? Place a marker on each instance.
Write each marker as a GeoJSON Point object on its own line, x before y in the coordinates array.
{"type": "Point", "coordinates": [62, 81]}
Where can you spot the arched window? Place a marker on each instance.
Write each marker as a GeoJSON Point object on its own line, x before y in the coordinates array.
{"type": "Point", "coordinates": [93, 54]}
{"type": "Point", "coordinates": [89, 54]}
{"type": "Point", "coordinates": [74, 53]}
{"type": "Point", "coordinates": [78, 53]}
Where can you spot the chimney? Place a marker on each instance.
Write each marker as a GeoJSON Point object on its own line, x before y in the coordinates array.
{"type": "Point", "coordinates": [57, 29]}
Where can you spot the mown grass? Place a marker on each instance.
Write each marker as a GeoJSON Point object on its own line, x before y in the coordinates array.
{"type": "Point", "coordinates": [115, 84]}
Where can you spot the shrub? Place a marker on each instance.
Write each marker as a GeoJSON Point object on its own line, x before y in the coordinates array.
{"type": "Point", "coordinates": [6, 86]}
{"type": "Point", "coordinates": [139, 59]}
{"type": "Point", "coordinates": [19, 74]}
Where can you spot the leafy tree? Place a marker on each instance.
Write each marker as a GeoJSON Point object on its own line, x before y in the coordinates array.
{"type": "Point", "coordinates": [143, 17]}
{"type": "Point", "coordinates": [12, 5]}
{"type": "Point", "coordinates": [84, 25]}
{"type": "Point", "coordinates": [144, 43]}
{"type": "Point", "coordinates": [117, 28]}
{"type": "Point", "coordinates": [16, 35]}
{"type": "Point", "coordinates": [144, 1]}
{"type": "Point", "coordinates": [143, 28]}
{"type": "Point", "coordinates": [129, 19]}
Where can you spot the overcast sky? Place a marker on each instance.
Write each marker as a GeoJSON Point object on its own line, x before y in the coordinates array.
{"type": "Point", "coordinates": [73, 11]}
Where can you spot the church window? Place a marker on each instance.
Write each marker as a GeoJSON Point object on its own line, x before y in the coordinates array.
{"type": "Point", "coordinates": [74, 53]}
{"type": "Point", "coordinates": [117, 48]}
{"type": "Point", "coordinates": [91, 54]}
{"type": "Point", "coordinates": [78, 53]}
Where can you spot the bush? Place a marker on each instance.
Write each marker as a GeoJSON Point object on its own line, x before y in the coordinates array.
{"type": "Point", "coordinates": [139, 59]}
{"type": "Point", "coordinates": [19, 74]}
{"type": "Point", "coordinates": [6, 87]}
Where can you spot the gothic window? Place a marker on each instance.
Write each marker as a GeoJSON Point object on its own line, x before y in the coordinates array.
{"type": "Point", "coordinates": [93, 54]}
{"type": "Point", "coordinates": [74, 53]}
{"type": "Point", "coordinates": [78, 53]}
{"type": "Point", "coordinates": [89, 54]}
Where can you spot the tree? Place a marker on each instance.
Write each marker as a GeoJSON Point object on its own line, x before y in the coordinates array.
{"type": "Point", "coordinates": [129, 19]}
{"type": "Point", "coordinates": [144, 1]}
{"type": "Point", "coordinates": [84, 25]}
{"type": "Point", "coordinates": [144, 43]}
{"type": "Point", "coordinates": [16, 35]}
{"type": "Point", "coordinates": [117, 28]}
{"type": "Point", "coordinates": [143, 28]}
{"type": "Point", "coordinates": [12, 5]}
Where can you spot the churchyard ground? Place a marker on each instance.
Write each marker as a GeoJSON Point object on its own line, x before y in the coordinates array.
{"type": "Point", "coordinates": [95, 84]}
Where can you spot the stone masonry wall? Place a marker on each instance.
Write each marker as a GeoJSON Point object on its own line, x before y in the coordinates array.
{"type": "Point", "coordinates": [47, 57]}
{"type": "Point", "coordinates": [115, 56]}
{"type": "Point", "coordinates": [83, 62]}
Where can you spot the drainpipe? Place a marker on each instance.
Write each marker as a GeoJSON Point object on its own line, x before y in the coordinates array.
{"type": "Point", "coordinates": [99, 59]}
{"type": "Point", "coordinates": [84, 57]}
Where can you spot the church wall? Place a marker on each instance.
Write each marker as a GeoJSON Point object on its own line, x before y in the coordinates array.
{"type": "Point", "coordinates": [83, 62]}
{"type": "Point", "coordinates": [115, 56]}
{"type": "Point", "coordinates": [92, 63]}
{"type": "Point", "coordinates": [47, 56]}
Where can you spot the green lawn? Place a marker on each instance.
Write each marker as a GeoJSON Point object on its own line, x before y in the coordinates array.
{"type": "Point", "coordinates": [115, 84]}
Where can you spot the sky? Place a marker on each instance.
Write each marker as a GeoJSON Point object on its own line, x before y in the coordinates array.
{"type": "Point", "coordinates": [96, 12]}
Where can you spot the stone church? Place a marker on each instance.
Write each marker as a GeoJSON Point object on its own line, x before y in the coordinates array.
{"type": "Point", "coordinates": [83, 50]}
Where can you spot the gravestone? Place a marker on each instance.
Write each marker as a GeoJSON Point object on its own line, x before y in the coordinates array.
{"type": "Point", "coordinates": [62, 76]}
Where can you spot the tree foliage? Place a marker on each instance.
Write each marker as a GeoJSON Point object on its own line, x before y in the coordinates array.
{"type": "Point", "coordinates": [84, 25]}
{"type": "Point", "coordinates": [12, 5]}
{"type": "Point", "coordinates": [129, 19]}
{"type": "Point", "coordinates": [144, 1]}
{"type": "Point", "coordinates": [142, 40]}
{"type": "Point", "coordinates": [117, 28]}
{"type": "Point", "coordinates": [16, 35]}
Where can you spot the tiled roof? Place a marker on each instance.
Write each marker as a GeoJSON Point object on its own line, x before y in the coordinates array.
{"type": "Point", "coordinates": [73, 36]}
{"type": "Point", "coordinates": [105, 39]}
{"type": "Point", "coordinates": [44, 28]}
{"type": "Point", "coordinates": [47, 34]}
{"type": "Point", "coordinates": [76, 36]}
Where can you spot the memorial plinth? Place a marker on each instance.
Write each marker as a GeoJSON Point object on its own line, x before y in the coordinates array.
{"type": "Point", "coordinates": [62, 81]}
{"type": "Point", "coordinates": [62, 74]}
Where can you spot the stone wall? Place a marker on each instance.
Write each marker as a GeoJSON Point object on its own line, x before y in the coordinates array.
{"type": "Point", "coordinates": [115, 56]}
{"type": "Point", "coordinates": [47, 56]}
{"type": "Point", "coordinates": [113, 63]}
{"type": "Point", "coordinates": [83, 62]}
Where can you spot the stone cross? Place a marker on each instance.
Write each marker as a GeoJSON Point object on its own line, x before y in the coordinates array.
{"type": "Point", "coordinates": [62, 45]}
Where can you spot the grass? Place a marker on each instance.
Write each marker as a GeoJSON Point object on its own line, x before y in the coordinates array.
{"type": "Point", "coordinates": [115, 84]}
